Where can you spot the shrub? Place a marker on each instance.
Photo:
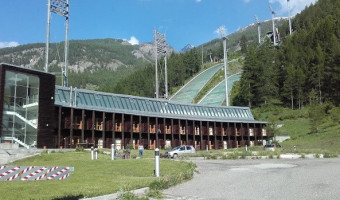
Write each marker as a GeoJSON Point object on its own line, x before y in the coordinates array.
{"type": "Point", "coordinates": [316, 155]}
{"type": "Point", "coordinates": [79, 149]}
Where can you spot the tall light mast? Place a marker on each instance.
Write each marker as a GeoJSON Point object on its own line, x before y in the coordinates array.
{"type": "Point", "coordinates": [274, 31]}
{"type": "Point", "coordinates": [225, 70]}
{"type": "Point", "coordinates": [258, 28]}
{"type": "Point", "coordinates": [160, 49]}
{"type": "Point", "coordinates": [290, 23]}
{"type": "Point", "coordinates": [59, 7]}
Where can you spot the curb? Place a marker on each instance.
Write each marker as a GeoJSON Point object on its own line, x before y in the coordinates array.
{"type": "Point", "coordinates": [137, 192]}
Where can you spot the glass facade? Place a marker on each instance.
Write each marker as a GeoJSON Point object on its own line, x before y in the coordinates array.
{"type": "Point", "coordinates": [20, 109]}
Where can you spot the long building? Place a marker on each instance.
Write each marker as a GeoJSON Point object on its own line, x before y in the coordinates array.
{"type": "Point", "coordinates": [37, 113]}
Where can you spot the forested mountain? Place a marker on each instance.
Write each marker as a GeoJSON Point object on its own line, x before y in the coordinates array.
{"type": "Point", "coordinates": [234, 42]}
{"type": "Point", "coordinates": [304, 69]}
{"type": "Point", "coordinates": [94, 64]}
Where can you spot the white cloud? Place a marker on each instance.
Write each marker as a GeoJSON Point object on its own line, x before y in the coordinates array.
{"type": "Point", "coordinates": [198, 1]}
{"type": "Point", "coordinates": [296, 6]}
{"type": "Point", "coordinates": [221, 31]}
{"type": "Point", "coordinates": [246, 1]}
{"type": "Point", "coordinates": [8, 44]}
{"type": "Point", "coordinates": [133, 40]}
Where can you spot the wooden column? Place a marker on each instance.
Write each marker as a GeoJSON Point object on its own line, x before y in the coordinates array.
{"type": "Point", "coordinates": [228, 135]}
{"type": "Point", "coordinates": [59, 126]}
{"type": "Point", "coordinates": [131, 128]}
{"type": "Point", "coordinates": [186, 132]}
{"type": "Point", "coordinates": [172, 133]}
{"type": "Point", "coordinates": [242, 134]}
{"type": "Point", "coordinates": [164, 130]}
{"type": "Point", "coordinates": [103, 131]}
{"type": "Point", "coordinates": [148, 132]}
{"type": "Point", "coordinates": [83, 125]}
{"type": "Point", "coordinates": [255, 137]}
{"type": "Point", "coordinates": [208, 137]}
{"type": "Point", "coordinates": [114, 129]}
{"type": "Point", "coordinates": [123, 131]}
{"type": "Point", "coordinates": [215, 137]}
{"type": "Point", "coordinates": [71, 127]}
{"type": "Point", "coordinates": [248, 133]}
{"type": "Point", "coordinates": [140, 129]}
{"type": "Point", "coordinates": [179, 132]}
{"type": "Point", "coordinates": [93, 127]}
{"type": "Point", "coordinates": [193, 133]}
{"type": "Point", "coordinates": [201, 135]}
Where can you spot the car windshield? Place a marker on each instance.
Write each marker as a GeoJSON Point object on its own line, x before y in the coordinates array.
{"type": "Point", "coordinates": [176, 148]}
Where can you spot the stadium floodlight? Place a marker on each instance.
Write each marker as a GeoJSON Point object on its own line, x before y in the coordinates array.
{"type": "Point", "coordinates": [290, 23]}
{"type": "Point", "coordinates": [258, 28]}
{"type": "Point", "coordinates": [274, 31]}
{"type": "Point", "coordinates": [160, 49]}
{"type": "Point", "coordinates": [59, 7]}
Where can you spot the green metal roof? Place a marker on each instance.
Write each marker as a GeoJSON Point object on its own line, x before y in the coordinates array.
{"type": "Point", "coordinates": [108, 102]}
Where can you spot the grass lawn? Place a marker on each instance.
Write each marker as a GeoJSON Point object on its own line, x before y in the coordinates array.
{"type": "Point", "coordinates": [90, 178]}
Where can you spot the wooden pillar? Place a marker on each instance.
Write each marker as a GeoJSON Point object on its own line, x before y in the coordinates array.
{"type": "Point", "coordinates": [248, 134]}
{"type": "Point", "coordinates": [164, 130]}
{"type": "Point", "coordinates": [201, 135]}
{"type": "Point", "coordinates": [131, 128]}
{"type": "Point", "coordinates": [114, 129]}
{"type": "Point", "coordinates": [172, 133]}
{"type": "Point", "coordinates": [71, 127]}
{"type": "Point", "coordinates": [83, 125]}
{"type": "Point", "coordinates": [59, 126]}
{"type": "Point", "coordinates": [208, 137]}
{"type": "Point", "coordinates": [103, 131]}
{"type": "Point", "coordinates": [215, 137]}
{"type": "Point", "coordinates": [123, 131]}
{"type": "Point", "coordinates": [179, 132]}
{"type": "Point", "coordinates": [193, 133]}
{"type": "Point", "coordinates": [186, 132]}
{"type": "Point", "coordinates": [148, 132]}
{"type": "Point", "coordinates": [255, 137]}
{"type": "Point", "coordinates": [93, 127]}
{"type": "Point", "coordinates": [140, 129]}
{"type": "Point", "coordinates": [228, 135]}
{"type": "Point", "coordinates": [222, 136]}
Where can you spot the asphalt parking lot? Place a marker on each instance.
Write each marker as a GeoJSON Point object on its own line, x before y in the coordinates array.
{"type": "Point", "coordinates": [261, 179]}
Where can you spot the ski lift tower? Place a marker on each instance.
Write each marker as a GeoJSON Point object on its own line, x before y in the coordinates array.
{"type": "Point", "coordinates": [160, 49]}
{"type": "Point", "coordinates": [59, 7]}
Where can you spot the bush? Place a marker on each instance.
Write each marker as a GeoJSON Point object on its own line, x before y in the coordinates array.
{"type": "Point", "coordinates": [316, 155]}
{"type": "Point", "coordinates": [79, 148]}
{"type": "Point", "coordinates": [329, 155]}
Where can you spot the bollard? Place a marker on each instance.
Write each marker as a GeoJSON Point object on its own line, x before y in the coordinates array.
{"type": "Point", "coordinates": [92, 152]}
{"type": "Point", "coordinates": [246, 148]}
{"type": "Point", "coordinates": [96, 150]}
{"type": "Point", "coordinates": [112, 151]}
{"type": "Point", "coordinates": [157, 162]}
{"type": "Point", "coordinates": [207, 148]}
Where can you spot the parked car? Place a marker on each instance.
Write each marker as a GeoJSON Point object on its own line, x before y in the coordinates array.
{"type": "Point", "coordinates": [180, 150]}
{"type": "Point", "coordinates": [271, 147]}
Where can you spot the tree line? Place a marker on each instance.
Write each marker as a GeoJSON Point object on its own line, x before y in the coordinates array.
{"type": "Point", "coordinates": [304, 69]}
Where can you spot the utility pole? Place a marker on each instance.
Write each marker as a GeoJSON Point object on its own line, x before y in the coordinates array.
{"type": "Point", "coordinates": [274, 31]}
{"type": "Point", "coordinates": [290, 23]}
{"type": "Point", "coordinates": [59, 7]}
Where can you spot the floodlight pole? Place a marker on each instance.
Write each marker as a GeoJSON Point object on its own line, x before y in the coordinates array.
{"type": "Point", "coordinates": [274, 31]}
{"type": "Point", "coordinates": [156, 69]}
{"type": "Point", "coordinates": [290, 23]}
{"type": "Point", "coordinates": [47, 34]}
{"type": "Point", "coordinates": [166, 77]}
{"type": "Point", "coordinates": [60, 7]}
{"type": "Point", "coordinates": [65, 79]}
{"type": "Point", "coordinates": [258, 28]}
{"type": "Point", "coordinates": [225, 70]}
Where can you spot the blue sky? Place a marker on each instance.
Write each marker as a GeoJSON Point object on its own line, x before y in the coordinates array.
{"type": "Point", "coordinates": [184, 21]}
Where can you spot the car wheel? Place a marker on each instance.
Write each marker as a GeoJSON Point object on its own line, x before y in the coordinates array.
{"type": "Point", "coordinates": [175, 155]}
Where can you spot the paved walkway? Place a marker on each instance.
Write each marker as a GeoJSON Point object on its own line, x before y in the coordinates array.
{"type": "Point", "coordinates": [262, 179]}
